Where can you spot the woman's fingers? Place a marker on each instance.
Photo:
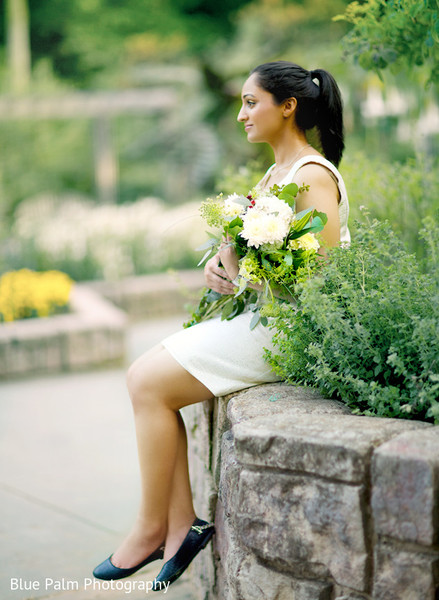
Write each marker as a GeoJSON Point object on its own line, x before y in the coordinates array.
{"type": "Point", "coordinates": [216, 277]}
{"type": "Point", "coordinates": [217, 281]}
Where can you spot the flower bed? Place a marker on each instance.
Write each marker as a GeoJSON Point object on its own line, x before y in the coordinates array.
{"type": "Point", "coordinates": [96, 242]}
{"type": "Point", "coordinates": [25, 294]}
{"type": "Point", "coordinates": [92, 334]}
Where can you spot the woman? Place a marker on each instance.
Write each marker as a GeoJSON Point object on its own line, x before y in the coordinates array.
{"type": "Point", "coordinates": [280, 103]}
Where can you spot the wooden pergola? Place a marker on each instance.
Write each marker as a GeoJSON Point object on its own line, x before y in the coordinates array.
{"type": "Point", "coordinates": [100, 107]}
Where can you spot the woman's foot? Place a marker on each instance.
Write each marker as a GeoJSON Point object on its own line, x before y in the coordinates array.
{"type": "Point", "coordinates": [198, 536]}
{"type": "Point", "coordinates": [142, 546]}
{"type": "Point", "coordinates": [140, 543]}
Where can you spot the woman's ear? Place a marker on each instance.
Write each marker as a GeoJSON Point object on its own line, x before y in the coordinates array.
{"type": "Point", "coordinates": [289, 106]}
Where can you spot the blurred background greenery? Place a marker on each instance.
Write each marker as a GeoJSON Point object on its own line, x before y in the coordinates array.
{"type": "Point", "coordinates": [105, 193]}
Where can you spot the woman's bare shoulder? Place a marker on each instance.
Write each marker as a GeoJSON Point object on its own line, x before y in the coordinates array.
{"type": "Point", "coordinates": [317, 176]}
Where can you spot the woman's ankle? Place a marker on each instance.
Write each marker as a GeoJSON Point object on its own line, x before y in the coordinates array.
{"type": "Point", "coordinates": [177, 532]}
{"type": "Point", "coordinates": [138, 545]}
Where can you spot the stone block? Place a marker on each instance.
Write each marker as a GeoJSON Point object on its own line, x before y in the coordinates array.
{"type": "Point", "coordinates": [311, 590]}
{"type": "Point", "coordinates": [350, 596]}
{"type": "Point", "coordinates": [308, 526]}
{"type": "Point", "coordinates": [221, 545]}
{"type": "Point", "coordinates": [153, 295]}
{"type": "Point", "coordinates": [256, 582]}
{"type": "Point", "coordinates": [221, 425]}
{"type": "Point", "coordinates": [198, 422]}
{"type": "Point", "coordinates": [280, 399]}
{"type": "Point", "coordinates": [231, 553]}
{"type": "Point", "coordinates": [336, 446]}
{"type": "Point", "coordinates": [404, 575]}
{"type": "Point", "coordinates": [405, 487]}
{"type": "Point", "coordinates": [79, 348]}
{"type": "Point", "coordinates": [228, 488]}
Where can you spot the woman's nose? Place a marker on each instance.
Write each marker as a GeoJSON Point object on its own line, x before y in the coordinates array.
{"type": "Point", "coordinates": [241, 115]}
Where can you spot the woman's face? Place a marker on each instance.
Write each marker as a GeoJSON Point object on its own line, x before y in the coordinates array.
{"type": "Point", "coordinates": [263, 118]}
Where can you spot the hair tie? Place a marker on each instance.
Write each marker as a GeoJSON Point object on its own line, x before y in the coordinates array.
{"type": "Point", "coordinates": [315, 78]}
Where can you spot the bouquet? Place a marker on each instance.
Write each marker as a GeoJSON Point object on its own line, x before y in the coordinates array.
{"type": "Point", "coordinates": [276, 248]}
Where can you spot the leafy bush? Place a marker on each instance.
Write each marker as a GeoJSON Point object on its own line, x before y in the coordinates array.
{"type": "Point", "coordinates": [402, 193]}
{"type": "Point", "coordinates": [366, 329]}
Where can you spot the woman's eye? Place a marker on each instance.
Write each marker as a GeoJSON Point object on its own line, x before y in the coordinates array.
{"type": "Point", "coordinates": [250, 103]}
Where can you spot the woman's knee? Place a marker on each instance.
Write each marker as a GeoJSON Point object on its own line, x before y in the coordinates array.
{"type": "Point", "coordinates": [141, 383]}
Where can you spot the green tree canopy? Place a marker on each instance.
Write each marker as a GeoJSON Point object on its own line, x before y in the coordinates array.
{"type": "Point", "coordinates": [85, 37]}
{"type": "Point", "coordinates": [394, 33]}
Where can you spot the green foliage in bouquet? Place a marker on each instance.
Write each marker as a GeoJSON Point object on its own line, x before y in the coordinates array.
{"type": "Point", "coordinates": [366, 329]}
{"type": "Point", "coordinates": [275, 246]}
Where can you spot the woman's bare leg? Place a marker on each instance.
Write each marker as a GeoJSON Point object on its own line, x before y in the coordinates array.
{"type": "Point", "coordinates": [159, 387]}
{"type": "Point", "coordinates": [181, 513]}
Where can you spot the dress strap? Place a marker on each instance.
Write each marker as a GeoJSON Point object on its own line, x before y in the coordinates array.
{"type": "Point", "coordinates": [309, 159]}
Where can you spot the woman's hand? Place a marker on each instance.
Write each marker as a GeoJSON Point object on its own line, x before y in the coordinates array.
{"type": "Point", "coordinates": [219, 279]}
{"type": "Point", "coordinates": [229, 259]}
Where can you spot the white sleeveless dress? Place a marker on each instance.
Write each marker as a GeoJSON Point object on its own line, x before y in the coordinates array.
{"type": "Point", "coordinates": [226, 356]}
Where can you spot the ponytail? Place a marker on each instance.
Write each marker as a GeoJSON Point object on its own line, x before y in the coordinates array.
{"type": "Point", "coordinates": [318, 98]}
{"type": "Point", "coordinates": [329, 116]}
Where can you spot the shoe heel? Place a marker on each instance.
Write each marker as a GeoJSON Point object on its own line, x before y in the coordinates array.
{"type": "Point", "coordinates": [207, 541]}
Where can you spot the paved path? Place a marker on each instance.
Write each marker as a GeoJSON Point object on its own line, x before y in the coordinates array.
{"type": "Point", "coordinates": [69, 481]}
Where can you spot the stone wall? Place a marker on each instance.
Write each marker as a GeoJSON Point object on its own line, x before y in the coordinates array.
{"type": "Point", "coordinates": [311, 502]}
{"type": "Point", "coordinates": [153, 296]}
{"type": "Point", "coordinates": [91, 335]}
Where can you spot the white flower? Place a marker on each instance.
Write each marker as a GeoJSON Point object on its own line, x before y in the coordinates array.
{"type": "Point", "coordinates": [261, 228]}
{"type": "Point", "coordinates": [273, 205]}
{"type": "Point", "coordinates": [233, 208]}
{"type": "Point", "coordinates": [308, 241]}
{"type": "Point", "coordinates": [268, 222]}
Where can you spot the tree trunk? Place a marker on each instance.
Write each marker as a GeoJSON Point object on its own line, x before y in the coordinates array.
{"type": "Point", "coordinates": [18, 45]}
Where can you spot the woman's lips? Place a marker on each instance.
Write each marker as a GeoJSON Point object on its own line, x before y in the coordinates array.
{"type": "Point", "coordinates": [247, 127]}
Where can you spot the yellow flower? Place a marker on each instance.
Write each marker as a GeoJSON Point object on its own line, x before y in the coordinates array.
{"type": "Point", "coordinates": [27, 293]}
{"type": "Point", "coordinates": [308, 241]}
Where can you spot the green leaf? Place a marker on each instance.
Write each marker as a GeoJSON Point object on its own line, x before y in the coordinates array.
{"type": "Point", "coordinates": [317, 222]}
{"type": "Point", "coordinates": [243, 284]}
{"type": "Point", "coordinates": [212, 296]}
{"type": "Point", "coordinates": [289, 193]}
{"type": "Point", "coordinates": [320, 215]}
{"type": "Point", "coordinates": [255, 320]}
{"type": "Point", "coordinates": [291, 188]}
{"type": "Point", "coordinates": [266, 264]}
{"type": "Point", "coordinates": [288, 258]}
{"type": "Point", "coordinates": [208, 253]}
{"type": "Point", "coordinates": [208, 244]}
{"type": "Point", "coordinates": [302, 219]}
{"type": "Point", "coordinates": [227, 310]}
{"type": "Point", "coordinates": [234, 231]}
{"type": "Point", "coordinates": [236, 222]}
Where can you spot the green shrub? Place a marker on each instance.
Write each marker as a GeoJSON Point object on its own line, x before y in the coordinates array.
{"type": "Point", "coordinates": [403, 193]}
{"type": "Point", "coordinates": [366, 329]}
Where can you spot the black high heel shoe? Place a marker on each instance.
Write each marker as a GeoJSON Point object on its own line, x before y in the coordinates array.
{"type": "Point", "coordinates": [106, 570]}
{"type": "Point", "coordinates": [197, 538]}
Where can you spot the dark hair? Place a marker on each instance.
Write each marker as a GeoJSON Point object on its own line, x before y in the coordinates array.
{"type": "Point", "coordinates": [318, 98]}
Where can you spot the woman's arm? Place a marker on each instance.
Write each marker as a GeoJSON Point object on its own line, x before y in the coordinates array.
{"type": "Point", "coordinates": [323, 195]}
